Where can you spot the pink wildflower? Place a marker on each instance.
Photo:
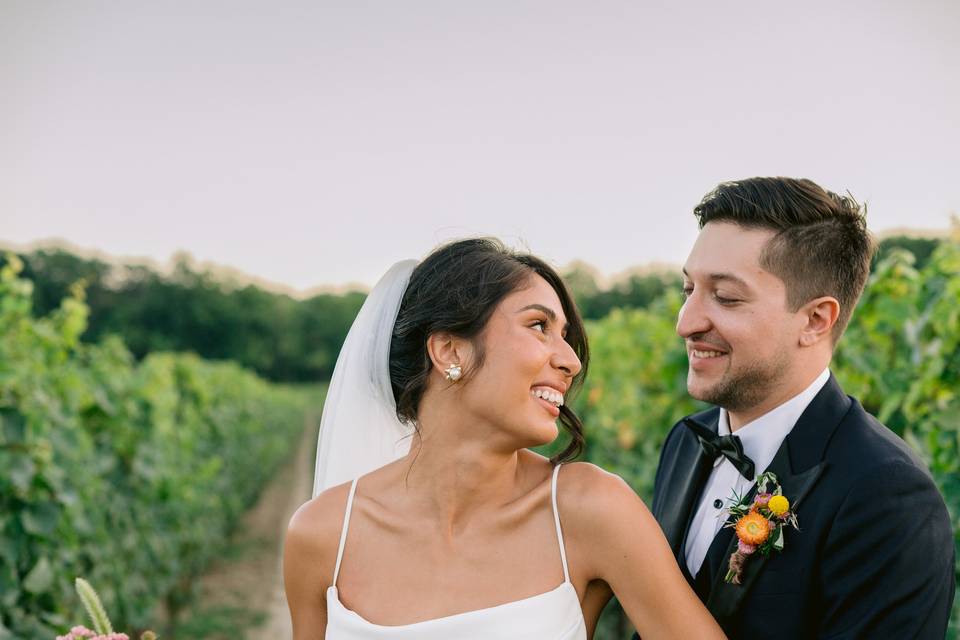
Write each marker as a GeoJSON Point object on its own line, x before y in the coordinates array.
{"type": "Point", "coordinates": [746, 549]}
{"type": "Point", "coordinates": [761, 500]}
{"type": "Point", "coordinates": [77, 633]}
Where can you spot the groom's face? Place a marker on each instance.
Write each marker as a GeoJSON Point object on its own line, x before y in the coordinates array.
{"type": "Point", "coordinates": [738, 332]}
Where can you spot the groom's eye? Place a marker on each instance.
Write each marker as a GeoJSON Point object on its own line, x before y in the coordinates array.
{"type": "Point", "coordinates": [723, 300]}
{"type": "Point", "coordinates": [687, 291]}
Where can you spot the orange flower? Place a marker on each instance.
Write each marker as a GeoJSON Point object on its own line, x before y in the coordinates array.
{"type": "Point", "coordinates": [753, 529]}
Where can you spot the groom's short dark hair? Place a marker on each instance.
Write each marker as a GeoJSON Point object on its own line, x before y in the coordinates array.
{"type": "Point", "coordinates": [821, 247]}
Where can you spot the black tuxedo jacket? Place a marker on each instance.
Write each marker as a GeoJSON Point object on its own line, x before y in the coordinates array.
{"type": "Point", "coordinates": [874, 555]}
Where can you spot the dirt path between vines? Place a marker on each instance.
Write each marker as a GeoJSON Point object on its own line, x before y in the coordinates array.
{"type": "Point", "coordinates": [251, 584]}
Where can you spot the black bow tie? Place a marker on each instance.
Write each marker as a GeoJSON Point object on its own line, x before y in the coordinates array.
{"type": "Point", "coordinates": [727, 446]}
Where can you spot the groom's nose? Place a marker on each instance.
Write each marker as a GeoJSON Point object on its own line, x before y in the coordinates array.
{"type": "Point", "coordinates": [692, 318]}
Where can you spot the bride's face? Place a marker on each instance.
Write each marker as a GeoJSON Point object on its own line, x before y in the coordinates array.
{"type": "Point", "coordinates": [528, 366]}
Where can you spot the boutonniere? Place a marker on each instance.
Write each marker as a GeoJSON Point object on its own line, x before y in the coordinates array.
{"type": "Point", "coordinates": [759, 523]}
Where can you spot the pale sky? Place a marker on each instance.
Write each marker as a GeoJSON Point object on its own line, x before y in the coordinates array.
{"type": "Point", "coordinates": [314, 143]}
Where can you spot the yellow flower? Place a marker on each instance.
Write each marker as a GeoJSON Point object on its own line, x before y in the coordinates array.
{"type": "Point", "coordinates": [778, 505]}
{"type": "Point", "coordinates": [753, 528]}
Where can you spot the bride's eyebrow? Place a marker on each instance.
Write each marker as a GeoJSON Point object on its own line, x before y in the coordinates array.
{"type": "Point", "coordinates": [547, 311]}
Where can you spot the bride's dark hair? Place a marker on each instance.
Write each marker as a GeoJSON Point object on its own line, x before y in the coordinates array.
{"type": "Point", "coordinates": [455, 290]}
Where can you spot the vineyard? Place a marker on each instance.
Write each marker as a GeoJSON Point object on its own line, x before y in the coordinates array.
{"type": "Point", "coordinates": [132, 473]}
{"type": "Point", "coordinates": [129, 474]}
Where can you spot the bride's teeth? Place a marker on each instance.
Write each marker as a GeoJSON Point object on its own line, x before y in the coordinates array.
{"type": "Point", "coordinates": [553, 397]}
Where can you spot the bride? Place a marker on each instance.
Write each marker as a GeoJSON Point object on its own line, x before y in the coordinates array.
{"type": "Point", "coordinates": [431, 518]}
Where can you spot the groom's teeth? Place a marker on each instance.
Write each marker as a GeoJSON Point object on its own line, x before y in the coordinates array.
{"type": "Point", "coordinates": [706, 354]}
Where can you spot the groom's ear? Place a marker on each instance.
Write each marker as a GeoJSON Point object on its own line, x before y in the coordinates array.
{"type": "Point", "coordinates": [820, 315]}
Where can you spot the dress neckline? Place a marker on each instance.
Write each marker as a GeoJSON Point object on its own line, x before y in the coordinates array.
{"type": "Point", "coordinates": [333, 594]}
{"type": "Point", "coordinates": [565, 587]}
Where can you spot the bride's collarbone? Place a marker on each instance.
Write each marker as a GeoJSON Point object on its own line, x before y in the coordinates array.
{"type": "Point", "coordinates": [403, 514]}
{"type": "Point", "coordinates": [418, 553]}
{"type": "Point", "coordinates": [479, 539]}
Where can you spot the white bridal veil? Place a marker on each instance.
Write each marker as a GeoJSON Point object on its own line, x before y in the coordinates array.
{"type": "Point", "coordinates": [359, 429]}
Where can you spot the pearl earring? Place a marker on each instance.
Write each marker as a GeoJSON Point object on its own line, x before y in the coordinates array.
{"type": "Point", "coordinates": [453, 372]}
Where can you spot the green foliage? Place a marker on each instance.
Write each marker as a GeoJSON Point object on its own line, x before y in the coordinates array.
{"type": "Point", "coordinates": [281, 338]}
{"type": "Point", "coordinates": [127, 474]}
{"type": "Point", "coordinates": [900, 356]}
{"type": "Point", "coordinates": [921, 248]}
{"type": "Point", "coordinates": [634, 292]}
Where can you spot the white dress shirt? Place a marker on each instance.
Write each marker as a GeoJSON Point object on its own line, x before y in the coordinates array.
{"type": "Point", "coordinates": [761, 439]}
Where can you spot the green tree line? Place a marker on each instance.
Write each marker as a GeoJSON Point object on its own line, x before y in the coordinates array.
{"type": "Point", "coordinates": [279, 337]}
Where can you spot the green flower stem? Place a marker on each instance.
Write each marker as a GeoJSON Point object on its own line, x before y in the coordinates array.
{"type": "Point", "coordinates": [91, 602]}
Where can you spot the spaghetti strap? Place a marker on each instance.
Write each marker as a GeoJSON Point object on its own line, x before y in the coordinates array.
{"type": "Point", "coordinates": [556, 519]}
{"type": "Point", "coordinates": [343, 533]}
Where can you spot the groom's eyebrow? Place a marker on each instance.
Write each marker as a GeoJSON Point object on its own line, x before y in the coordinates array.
{"type": "Point", "coordinates": [721, 277]}
{"type": "Point", "coordinates": [728, 277]}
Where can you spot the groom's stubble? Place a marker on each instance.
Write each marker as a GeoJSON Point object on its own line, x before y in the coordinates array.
{"type": "Point", "coordinates": [744, 387]}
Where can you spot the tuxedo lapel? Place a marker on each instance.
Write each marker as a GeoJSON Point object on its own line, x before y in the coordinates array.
{"type": "Point", "coordinates": [690, 467]}
{"type": "Point", "coordinates": [797, 464]}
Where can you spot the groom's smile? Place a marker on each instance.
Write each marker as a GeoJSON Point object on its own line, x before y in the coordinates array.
{"type": "Point", "coordinates": [703, 355]}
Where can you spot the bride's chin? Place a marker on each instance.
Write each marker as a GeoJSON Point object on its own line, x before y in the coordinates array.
{"type": "Point", "coordinates": [544, 435]}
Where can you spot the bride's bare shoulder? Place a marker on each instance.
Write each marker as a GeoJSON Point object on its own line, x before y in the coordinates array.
{"type": "Point", "coordinates": [313, 534]}
{"type": "Point", "coordinates": [584, 479]}
{"type": "Point", "coordinates": [591, 497]}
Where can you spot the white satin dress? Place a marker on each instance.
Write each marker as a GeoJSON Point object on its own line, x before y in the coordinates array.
{"type": "Point", "coordinates": [554, 615]}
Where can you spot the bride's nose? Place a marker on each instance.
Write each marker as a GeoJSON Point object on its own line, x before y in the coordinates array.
{"type": "Point", "coordinates": [565, 359]}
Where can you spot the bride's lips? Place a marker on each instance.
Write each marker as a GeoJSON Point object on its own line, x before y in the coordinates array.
{"type": "Point", "coordinates": [551, 408]}
{"type": "Point", "coordinates": [553, 389]}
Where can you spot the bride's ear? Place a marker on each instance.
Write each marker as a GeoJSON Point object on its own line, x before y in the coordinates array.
{"type": "Point", "coordinates": [445, 350]}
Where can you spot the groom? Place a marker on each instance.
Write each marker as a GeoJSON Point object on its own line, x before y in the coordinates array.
{"type": "Point", "coordinates": [770, 285]}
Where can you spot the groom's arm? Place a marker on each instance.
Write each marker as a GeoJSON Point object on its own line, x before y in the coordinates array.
{"type": "Point", "coordinates": [888, 565]}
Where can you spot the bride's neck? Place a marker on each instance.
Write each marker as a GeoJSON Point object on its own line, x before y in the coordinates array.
{"type": "Point", "coordinates": [454, 473]}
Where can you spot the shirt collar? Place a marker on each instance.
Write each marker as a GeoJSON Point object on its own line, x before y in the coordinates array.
{"type": "Point", "coordinates": [762, 437]}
